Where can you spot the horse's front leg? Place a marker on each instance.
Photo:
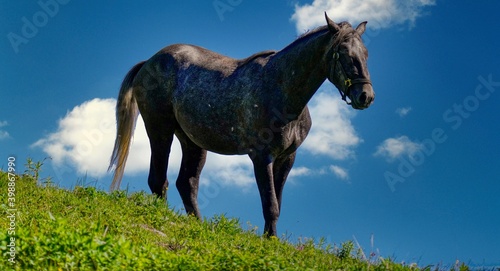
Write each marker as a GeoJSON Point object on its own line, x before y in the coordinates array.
{"type": "Point", "coordinates": [263, 168]}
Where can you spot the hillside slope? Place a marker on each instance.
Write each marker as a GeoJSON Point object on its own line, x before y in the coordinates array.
{"type": "Point", "coordinates": [49, 228]}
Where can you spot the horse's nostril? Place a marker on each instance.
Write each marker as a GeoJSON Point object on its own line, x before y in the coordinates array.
{"type": "Point", "coordinates": [362, 98]}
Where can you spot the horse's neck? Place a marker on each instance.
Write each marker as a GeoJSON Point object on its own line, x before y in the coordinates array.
{"type": "Point", "coordinates": [300, 70]}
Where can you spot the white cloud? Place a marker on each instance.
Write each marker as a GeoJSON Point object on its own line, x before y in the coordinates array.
{"type": "Point", "coordinates": [228, 170]}
{"type": "Point", "coordinates": [332, 133]}
{"type": "Point", "coordinates": [4, 134]}
{"type": "Point", "coordinates": [379, 13]}
{"type": "Point", "coordinates": [402, 112]}
{"type": "Point", "coordinates": [85, 137]}
{"type": "Point", "coordinates": [393, 148]}
{"type": "Point", "coordinates": [299, 171]}
{"type": "Point", "coordinates": [341, 173]}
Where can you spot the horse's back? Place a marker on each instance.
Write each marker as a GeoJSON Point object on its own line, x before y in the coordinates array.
{"type": "Point", "coordinates": [187, 55]}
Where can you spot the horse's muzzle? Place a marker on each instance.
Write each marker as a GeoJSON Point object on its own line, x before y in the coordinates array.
{"type": "Point", "coordinates": [362, 96]}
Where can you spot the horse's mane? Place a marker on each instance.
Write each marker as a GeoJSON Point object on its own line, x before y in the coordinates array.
{"type": "Point", "coordinates": [311, 32]}
{"type": "Point", "coordinates": [344, 32]}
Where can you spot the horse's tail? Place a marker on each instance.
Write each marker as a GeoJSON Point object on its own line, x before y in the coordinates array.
{"type": "Point", "coordinates": [126, 117]}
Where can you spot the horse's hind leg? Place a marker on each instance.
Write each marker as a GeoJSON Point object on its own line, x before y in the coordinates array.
{"type": "Point", "coordinates": [157, 180]}
{"type": "Point", "coordinates": [193, 160]}
{"type": "Point", "coordinates": [161, 133]}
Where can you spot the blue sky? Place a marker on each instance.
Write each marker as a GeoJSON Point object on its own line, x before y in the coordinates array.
{"type": "Point", "coordinates": [418, 170]}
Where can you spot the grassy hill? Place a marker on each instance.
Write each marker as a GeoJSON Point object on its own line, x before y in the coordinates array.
{"type": "Point", "coordinates": [87, 229]}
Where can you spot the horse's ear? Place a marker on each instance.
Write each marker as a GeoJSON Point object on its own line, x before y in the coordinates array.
{"type": "Point", "coordinates": [331, 24]}
{"type": "Point", "coordinates": [361, 28]}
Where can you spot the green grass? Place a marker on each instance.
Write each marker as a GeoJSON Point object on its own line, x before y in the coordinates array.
{"type": "Point", "coordinates": [88, 229]}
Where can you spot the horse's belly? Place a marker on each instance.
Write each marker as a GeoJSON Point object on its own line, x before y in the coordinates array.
{"type": "Point", "coordinates": [217, 138]}
{"type": "Point", "coordinates": [222, 130]}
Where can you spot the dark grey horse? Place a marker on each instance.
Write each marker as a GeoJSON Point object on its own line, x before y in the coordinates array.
{"type": "Point", "coordinates": [255, 106]}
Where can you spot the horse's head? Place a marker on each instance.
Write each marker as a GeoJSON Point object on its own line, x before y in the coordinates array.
{"type": "Point", "coordinates": [347, 64]}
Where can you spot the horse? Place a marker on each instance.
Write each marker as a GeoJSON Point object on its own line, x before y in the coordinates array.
{"type": "Point", "coordinates": [255, 106]}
